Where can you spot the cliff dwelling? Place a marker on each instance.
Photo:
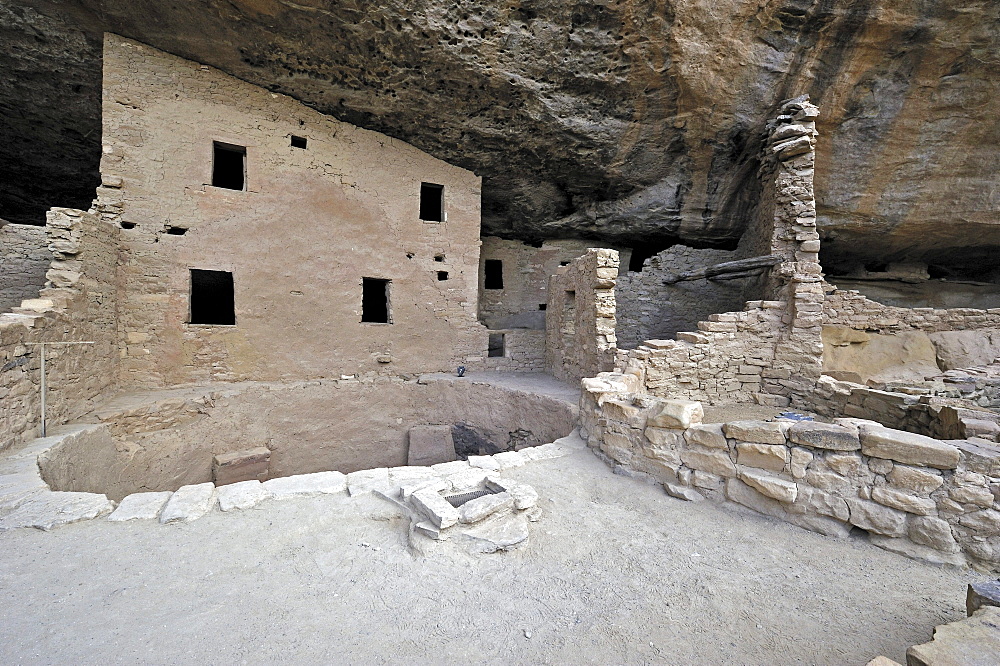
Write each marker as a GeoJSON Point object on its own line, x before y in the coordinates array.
{"type": "Point", "coordinates": [393, 384]}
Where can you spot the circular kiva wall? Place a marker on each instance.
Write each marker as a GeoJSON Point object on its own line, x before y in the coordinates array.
{"type": "Point", "coordinates": [307, 427]}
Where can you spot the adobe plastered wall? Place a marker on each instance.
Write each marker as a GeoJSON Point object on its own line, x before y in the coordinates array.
{"type": "Point", "coordinates": [80, 304]}
{"type": "Point", "coordinates": [649, 309]}
{"type": "Point", "coordinates": [311, 224]}
{"type": "Point", "coordinates": [526, 271]}
{"type": "Point", "coordinates": [772, 350]}
{"type": "Point", "coordinates": [343, 425]}
{"type": "Point", "coordinates": [580, 318]}
{"type": "Point", "coordinates": [24, 258]}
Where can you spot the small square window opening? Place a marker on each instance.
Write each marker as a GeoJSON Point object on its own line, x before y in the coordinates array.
{"type": "Point", "coordinates": [298, 142]}
{"type": "Point", "coordinates": [229, 166]}
{"type": "Point", "coordinates": [442, 276]}
{"type": "Point", "coordinates": [212, 298]}
{"type": "Point", "coordinates": [431, 202]}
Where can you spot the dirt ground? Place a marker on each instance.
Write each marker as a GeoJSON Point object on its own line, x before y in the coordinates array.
{"type": "Point", "coordinates": [615, 572]}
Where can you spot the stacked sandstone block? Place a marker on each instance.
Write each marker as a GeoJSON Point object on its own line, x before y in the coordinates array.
{"type": "Point", "coordinates": [922, 497]}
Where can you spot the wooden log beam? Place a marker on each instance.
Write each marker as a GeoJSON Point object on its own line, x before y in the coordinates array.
{"type": "Point", "coordinates": [746, 266]}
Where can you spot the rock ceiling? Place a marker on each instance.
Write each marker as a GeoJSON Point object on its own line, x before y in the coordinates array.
{"type": "Point", "coordinates": [631, 121]}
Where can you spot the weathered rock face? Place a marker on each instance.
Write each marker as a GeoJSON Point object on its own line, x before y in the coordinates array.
{"type": "Point", "coordinates": [622, 120]}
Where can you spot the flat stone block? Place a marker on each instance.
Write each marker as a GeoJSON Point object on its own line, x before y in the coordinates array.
{"type": "Point", "coordinates": [437, 485]}
{"type": "Point", "coordinates": [933, 533]}
{"type": "Point", "coordinates": [510, 459]}
{"type": "Point", "coordinates": [430, 445]}
{"type": "Point", "coordinates": [189, 503]}
{"type": "Point", "coordinates": [482, 507]}
{"type": "Point", "coordinates": [51, 509]}
{"type": "Point", "coordinates": [974, 641]}
{"type": "Point", "coordinates": [914, 479]}
{"type": "Point", "coordinates": [236, 466]}
{"type": "Point", "coordinates": [764, 456]}
{"type": "Point", "coordinates": [487, 462]}
{"type": "Point", "coordinates": [762, 432]}
{"type": "Point", "coordinates": [242, 495]}
{"type": "Point", "coordinates": [140, 506]}
{"type": "Point", "coordinates": [680, 414]}
{"type": "Point", "coordinates": [876, 518]}
{"type": "Point", "coordinates": [525, 496]}
{"type": "Point", "coordinates": [436, 508]}
{"type": "Point", "coordinates": [709, 435]}
{"type": "Point", "coordinates": [304, 485]}
{"type": "Point", "coordinates": [908, 448]}
{"type": "Point", "coordinates": [711, 461]}
{"type": "Point", "coordinates": [897, 499]}
{"type": "Point", "coordinates": [982, 594]}
{"type": "Point", "coordinates": [769, 486]}
{"type": "Point", "coordinates": [824, 436]}
{"type": "Point", "coordinates": [366, 480]}
{"type": "Point", "coordinates": [685, 493]}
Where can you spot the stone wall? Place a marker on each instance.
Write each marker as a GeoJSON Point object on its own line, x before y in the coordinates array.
{"type": "Point", "coordinates": [921, 497]}
{"type": "Point", "coordinates": [580, 318]}
{"type": "Point", "coordinates": [309, 225]}
{"type": "Point", "coordinates": [523, 351]}
{"type": "Point", "coordinates": [526, 271]}
{"type": "Point", "coordinates": [78, 304]}
{"type": "Point", "coordinates": [853, 310]}
{"type": "Point", "coordinates": [772, 350]}
{"type": "Point", "coordinates": [649, 309]}
{"type": "Point", "coordinates": [24, 258]}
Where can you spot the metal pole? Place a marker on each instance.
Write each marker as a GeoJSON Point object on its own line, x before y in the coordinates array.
{"type": "Point", "coordinates": [43, 388]}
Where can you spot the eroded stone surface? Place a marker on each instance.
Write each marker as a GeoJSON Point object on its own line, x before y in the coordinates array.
{"type": "Point", "coordinates": [140, 506]}
{"type": "Point", "coordinates": [319, 483]}
{"type": "Point", "coordinates": [189, 503]}
{"type": "Point", "coordinates": [52, 509]}
{"type": "Point", "coordinates": [242, 495]}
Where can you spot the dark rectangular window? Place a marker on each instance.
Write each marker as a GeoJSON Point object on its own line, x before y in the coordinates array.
{"type": "Point", "coordinates": [496, 347]}
{"type": "Point", "coordinates": [375, 301]}
{"type": "Point", "coordinates": [442, 276]}
{"type": "Point", "coordinates": [431, 202]}
{"type": "Point", "coordinates": [494, 274]}
{"type": "Point", "coordinates": [298, 141]}
{"type": "Point", "coordinates": [229, 166]}
{"type": "Point", "coordinates": [212, 298]}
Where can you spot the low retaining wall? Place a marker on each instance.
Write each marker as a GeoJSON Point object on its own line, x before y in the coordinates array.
{"type": "Point", "coordinates": [925, 498]}
{"type": "Point", "coordinates": [24, 260]}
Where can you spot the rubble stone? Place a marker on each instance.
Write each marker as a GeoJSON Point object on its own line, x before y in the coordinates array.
{"type": "Point", "coordinates": [189, 503]}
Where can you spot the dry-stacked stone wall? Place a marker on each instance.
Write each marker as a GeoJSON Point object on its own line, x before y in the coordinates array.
{"type": "Point", "coordinates": [649, 309]}
{"type": "Point", "coordinates": [580, 318]}
{"type": "Point", "coordinates": [24, 259]}
{"type": "Point", "coordinates": [922, 497]}
{"type": "Point", "coordinates": [79, 303]}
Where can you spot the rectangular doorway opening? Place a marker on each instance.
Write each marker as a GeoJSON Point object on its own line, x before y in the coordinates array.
{"type": "Point", "coordinates": [496, 345]}
{"type": "Point", "coordinates": [375, 301]}
{"type": "Point", "coordinates": [431, 202]}
{"type": "Point", "coordinates": [212, 298]}
{"type": "Point", "coordinates": [229, 166]}
{"type": "Point", "coordinates": [493, 269]}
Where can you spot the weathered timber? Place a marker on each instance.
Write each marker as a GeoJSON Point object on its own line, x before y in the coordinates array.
{"type": "Point", "coordinates": [741, 267]}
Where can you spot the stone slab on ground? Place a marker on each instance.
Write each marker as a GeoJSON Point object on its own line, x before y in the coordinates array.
{"type": "Point", "coordinates": [367, 480]}
{"type": "Point", "coordinates": [304, 485]}
{"type": "Point", "coordinates": [436, 508]}
{"type": "Point", "coordinates": [140, 506]}
{"type": "Point", "coordinates": [242, 495]}
{"type": "Point", "coordinates": [430, 445]}
{"type": "Point", "coordinates": [51, 509]}
{"type": "Point", "coordinates": [503, 532]}
{"type": "Point", "coordinates": [982, 594]}
{"type": "Point", "coordinates": [189, 503]}
{"type": "Point", "coordinates": [481, 508]}
{"type": "Point", "coordinates": [974, 641]}
{"type": "Point", "coordinates": [683, 492]}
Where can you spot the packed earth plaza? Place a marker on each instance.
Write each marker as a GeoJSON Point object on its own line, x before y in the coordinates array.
{"type": "Point", "coordinates": [278, 396]}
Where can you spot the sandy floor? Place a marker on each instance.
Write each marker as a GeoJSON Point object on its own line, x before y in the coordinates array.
{"type": "Point", "coordinates": [615, 572]}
